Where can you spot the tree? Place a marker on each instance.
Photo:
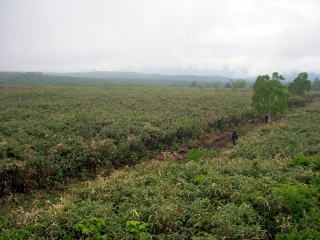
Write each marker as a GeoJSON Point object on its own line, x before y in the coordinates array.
{"type": "Point", "coordinates": [300, 85]}
{"type": "Point", "coordinates": [228, 85]}
{"type": "Point", "coordinates": [238, 83]}
{"type": "Point", "coordinates": [194, 84]}
{"type": "Point", "coordinates": [270, 95]}
{"type": "Point", "coordinates": [316, 84]}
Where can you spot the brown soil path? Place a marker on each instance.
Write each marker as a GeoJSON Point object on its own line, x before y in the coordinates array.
{"type": "Point", "coordinates": [214, 139]}
{"type": "Point", "coordinates": [219, 139]}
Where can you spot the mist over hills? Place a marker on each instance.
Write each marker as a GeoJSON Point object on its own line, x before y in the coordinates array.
{"type": "Point", "coordinates": [110, 78]}
{"type": "Point", "coordinates": [173, 77]}
{"type": "Point", "coordinates": [135, 75]}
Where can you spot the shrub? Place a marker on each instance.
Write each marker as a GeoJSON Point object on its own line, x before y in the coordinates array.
{"type": "Point", "coordinates": [199, 179]}
{"type": "Point", "coordinates": [237, 222]}
{"type": "Point", "coordinates": [138, 229]}
{"type": "Point", "coordinates": [14, 234]}
{"type": "Point", "coordinates": [196, 154]}
{"type": "Point", "coordinates": [221, 124]}
{"type": "Point", "coordinates": [312, 161]}
{"type": "Point", "coordinates": [300, 161]}
{"type": "Point", "coordinates": [92, 228]}
{"type": "Point", "coordinates": [22, 234]}
{"type": "Point", "coordinates": [297, 199]}
{"type": "Point", "coordinates": [315, 161]}
{"type": "Point", "coordinates": [305, 234]}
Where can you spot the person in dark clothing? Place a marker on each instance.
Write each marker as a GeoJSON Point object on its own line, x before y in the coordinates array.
{"type": "Point", "coordinates": [266, 118]}
{"type": "Point", "coordinates": [234, 137]}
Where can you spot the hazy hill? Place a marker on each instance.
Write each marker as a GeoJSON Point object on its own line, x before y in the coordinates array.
{"type": "Point", "coordinates": [134, 75]}
{"type": "Point", "coordinates": [107, 79]}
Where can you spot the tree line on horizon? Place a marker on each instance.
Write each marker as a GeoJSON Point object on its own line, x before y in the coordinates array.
{"type": "Point", "coordinates": [45, 79]}
{"type": "Point", "coordinates": [270, 96]}
{"type": "Point", "coordinates": [297, 87]}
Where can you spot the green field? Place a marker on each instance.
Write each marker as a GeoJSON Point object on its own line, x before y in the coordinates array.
{"type": "Point", "coordinates": [50, 133]}
{"type": "Point", "coordinates": [266, 187]}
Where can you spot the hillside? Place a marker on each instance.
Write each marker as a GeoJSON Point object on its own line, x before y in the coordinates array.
{"type": "Point", "coordinates": [106, 79]}
{"type": "Point", "coordinates": [150, 77]}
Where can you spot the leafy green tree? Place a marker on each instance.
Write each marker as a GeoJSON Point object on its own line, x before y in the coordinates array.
{"type": "Point", "coordinates": [300, 85]}
{"type": "Point", "coordinates": [270, 95]}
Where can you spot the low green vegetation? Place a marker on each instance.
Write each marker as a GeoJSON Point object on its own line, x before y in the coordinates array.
{"type": "Point", "coordinates": [91, 228]}
{"type": "Point", "coordinates": [50, 133]}
{"type": "Point", "coordinates": [311, 161]}
{"type": "Point", "coordinates": [197, 154]}
{"type": "Point", "coordinates": [265, 187]}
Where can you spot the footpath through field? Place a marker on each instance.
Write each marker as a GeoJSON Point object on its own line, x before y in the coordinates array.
{"type": "Point", "coordinates": [214, 139]}
{"type": "Point", "coordinates": [220, 139]}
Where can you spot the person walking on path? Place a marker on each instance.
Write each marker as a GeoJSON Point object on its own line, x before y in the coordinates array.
{"type": "Point", "coordinates": [234, 137]}
{"type": "Point", "coordinates": [266, 118]}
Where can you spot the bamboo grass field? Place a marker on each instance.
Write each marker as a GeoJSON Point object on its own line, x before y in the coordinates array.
{"type": "Point", "coordinates": [159, 120]}
{"type": "Point", "coordinates": [265, 187]}
{"type": "Point", "coordinates": [49, 133]}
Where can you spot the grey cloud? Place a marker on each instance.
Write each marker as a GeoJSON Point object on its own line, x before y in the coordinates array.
{"type": "Point", "coordinates": [238, 37]}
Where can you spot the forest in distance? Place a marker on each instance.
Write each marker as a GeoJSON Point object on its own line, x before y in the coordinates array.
{"type": "Point", "coordinates": [130, 79]}
{"type": "Point", "coordinates": [107, 79]}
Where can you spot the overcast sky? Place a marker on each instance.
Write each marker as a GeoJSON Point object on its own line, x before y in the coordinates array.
{"type": "Point", "coordinates": [238, 38]}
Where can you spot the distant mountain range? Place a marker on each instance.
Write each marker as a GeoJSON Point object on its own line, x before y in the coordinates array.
{"type": "Point", "coordinates": [109, 79]}
{"type": "Point", "coordinates": [142, 76]}
{"type": "Point", "coordinates": [104, 78]}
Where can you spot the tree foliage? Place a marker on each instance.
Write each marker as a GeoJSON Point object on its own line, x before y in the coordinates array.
{"type": "Point", "coordinates": [316, 84]}
{"type": "Point", "coordinates": [238, 83]}
{"type": "Point", "coordinates": [228, 85]}
{"type": "Point", "coordinates": [235, 84]}
{"type": "Point", "coordinates": [300, 85]}
{"type": "Point", "coordinates": [270, 95]}
{"type": "Point", "coordinates": [194, 84]}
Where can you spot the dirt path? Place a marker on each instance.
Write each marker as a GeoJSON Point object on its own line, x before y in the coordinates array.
{"type": "Point", "coordinates": [215, 139]}
{"type": "Point", "coordinates": [219, 139]}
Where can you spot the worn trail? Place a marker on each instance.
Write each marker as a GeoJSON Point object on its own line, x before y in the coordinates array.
{"type": "Point", "coordinates": [219, 139]}
{"type": "Point", "coordinates": [214, 139]}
